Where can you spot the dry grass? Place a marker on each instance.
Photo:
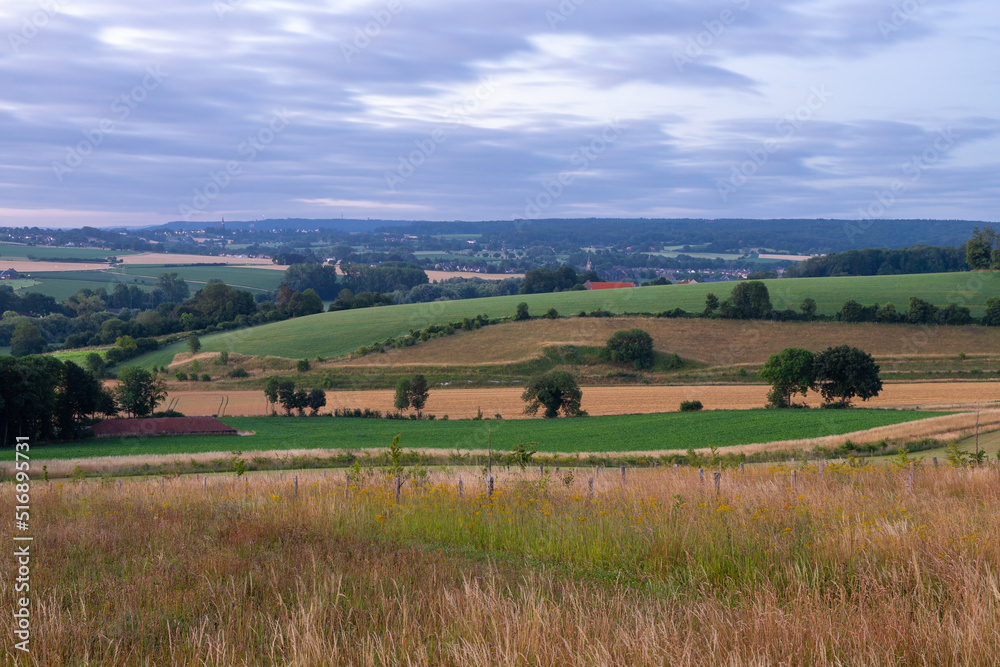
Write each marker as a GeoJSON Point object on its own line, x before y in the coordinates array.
{"type": "Point", "coordinates": [846, 569]}
{"type": "Point", "coordinates": [713, 342]}
{"type": "Point", "coordinates": [465, 403]}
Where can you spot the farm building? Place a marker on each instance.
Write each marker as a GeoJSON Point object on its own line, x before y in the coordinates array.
{"type": "Point", "coordinates": [593, 285]}
{"type": "Point", "coordinates": [9, 274]}
{"type": "Point", "coordinates": [116, 428]}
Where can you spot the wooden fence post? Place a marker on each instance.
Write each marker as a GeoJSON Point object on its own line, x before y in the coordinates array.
{"type": "Point", "coordinates": [489, 487]}
{"type": "Point", "coordinates": [204, 483]}
{"type": "Point", "coordinates": [296, 486]}
{"type": "Point", "coordinates": [347, 486]}
{"type": "Point", "coordinates": [717, 476]}
{"type": "Point", "coordinates": [591, 485]}
{"type": "Point", "coordinates": [701, 476]}
{"type": "Point", "coordinates": [541, 471]}
{"type": "Point", "coordinates": [794, 475]}
{"type": "Point", "coordinates": [459, 487]}
{"type": "Point", "coordinates": [675, 470]}
{"type": "Point", "coordinates": [399, 486]}
{"type": "Point", "coordinates": [623, 473]}
{"type": "Point", "coordinates": [743, 467]}
{"type": "Point", "coordinates": [935, 462]}
{"type": "Point", "coordinates": [909, 479]}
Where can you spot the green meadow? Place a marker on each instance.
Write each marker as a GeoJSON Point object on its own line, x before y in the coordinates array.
{"type": "Point", "coordinates": [666, 431]}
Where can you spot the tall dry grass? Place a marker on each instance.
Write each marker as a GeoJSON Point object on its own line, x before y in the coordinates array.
{"type": "Point", "coordinates": [847, 568]}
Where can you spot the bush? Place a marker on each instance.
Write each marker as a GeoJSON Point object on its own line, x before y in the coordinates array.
{"type": "Point", "coordinates": [302, 366]}
{"type": "Point", "coordinates": [691, 406]}
{"type": "Point", "coordinates": [238, 373]}
{"type": "Point", "coordinates": [634, 346]}
{"type": "Point", "coordinates": [181, 377]}
{"type": "Point", "coordinates": [205, 377]}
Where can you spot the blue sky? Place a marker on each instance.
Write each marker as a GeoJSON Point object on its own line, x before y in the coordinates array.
{"type": "Point", "coordinates": [118, 113]}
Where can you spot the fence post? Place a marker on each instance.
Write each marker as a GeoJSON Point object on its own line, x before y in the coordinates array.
{"type": "Point", "coordinates": [675, 470]}
{"type": "Point", "coordinates": [935, 462]}
{"type": "Point", "coordinates": [204, 483]}
{"type": "Point", "coordinates": [296, 486]}
{"type": "Point", "coordinates": [701, 476]}
{"type": "Point", "coordinates": [794, 475]}
{"type": "Point", "coordinates": [743, 468]}
{"type": "Point", "coordinates": [541, 471]}
{"type": "Point", "coordinates": [459, 487]}
{"type": "Point", "coordinates": [399, 486]}
{"type": "Point", "coordinates": [717, 476]}
{"type": "Point", "coordinates": [623, 473]}
{"type": "Point", "coordinates": [119, 485]}
{"type": "Point", "coordinates": [162, 480]}
{"type": "Point", "coordinates": [347, 486]}
{"type": "Point", "coordinates": [591, 485]}
{"type": "Point", "coordinates": [489, 487]}
{"type": "Point", "coordinates": [909, 479]}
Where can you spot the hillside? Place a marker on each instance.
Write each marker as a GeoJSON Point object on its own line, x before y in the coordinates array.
{"type": "Point", "coordinates": [339, 333]}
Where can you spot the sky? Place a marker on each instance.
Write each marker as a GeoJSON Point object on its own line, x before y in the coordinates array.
{"type": "Point", "coordinates": [125, 113]}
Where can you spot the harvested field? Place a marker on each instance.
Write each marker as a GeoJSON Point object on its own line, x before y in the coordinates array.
{"type": "Point", "coordinates": [465, 403]}
{"type": "Point", "coordinates": [714, 342]}
{"type": "Point", "coordinates": [435, 276]}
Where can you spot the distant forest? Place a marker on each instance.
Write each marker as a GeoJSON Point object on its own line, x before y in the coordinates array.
{"type": "Point", "coordinates": [883, 262]}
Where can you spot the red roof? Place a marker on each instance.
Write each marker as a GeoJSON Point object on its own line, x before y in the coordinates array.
{"type": "Point", "coordinates": [162, 426]}
{"type": "Point", "coordinates": [593, 285]}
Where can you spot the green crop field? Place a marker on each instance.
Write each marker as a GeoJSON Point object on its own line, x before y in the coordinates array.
{"type": "Point", "coordinates": [339, 333]}
{"type": "Point", "coordinates": [264, 280]}
{"type": "Point", "coordinates": [22, 252]}
{"type": "Point", "coordinates": [61, 285]}
{"type": "Point", "coordinates": [677, 431]}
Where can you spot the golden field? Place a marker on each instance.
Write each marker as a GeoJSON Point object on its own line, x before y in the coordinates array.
{"type": "Point", "coordinates": [852, 566]}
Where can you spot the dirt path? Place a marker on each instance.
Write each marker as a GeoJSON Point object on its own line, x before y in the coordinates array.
{"type": "Point", "coordinates": [465, 403]}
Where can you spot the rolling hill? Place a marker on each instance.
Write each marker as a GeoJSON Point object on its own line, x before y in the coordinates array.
{"type": "Point", "coordinates": [339, 333]}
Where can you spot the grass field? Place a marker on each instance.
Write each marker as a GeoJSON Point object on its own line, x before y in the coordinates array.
{"type": "Point", "coordinates": [21, 252]}
{"type": "Point", "coordinates": [673, 431]}
{"type": "Point", "coordinates": [336, 334]}
{"type": "Point", "coordinates": [263, 280]}
{"type": "Point", "coordinates": [846, 568]}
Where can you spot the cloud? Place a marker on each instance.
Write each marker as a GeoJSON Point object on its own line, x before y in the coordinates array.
{"type": "Point", "coordinates": [494, 102]}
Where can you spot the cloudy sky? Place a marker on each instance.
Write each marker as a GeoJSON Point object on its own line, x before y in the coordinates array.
{"type": "Point", "coordinates": [116, 112]}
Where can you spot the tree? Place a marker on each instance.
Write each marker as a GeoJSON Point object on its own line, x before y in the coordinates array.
{"type": "Point", "coordinates": [992, 316]}
{"type": "Point", "coordinates": [27, 339]}
{"type": "Point", "coordinates": [418, 392]}
{"type": "Point", "coordinates": [921, 312]}
{"type": "Point", "coordinates": [790, 371]}
{"type": "Point", "coordinates": [844, 372]}
{"type": "Point", "coordinates": [749, 301]}
{"type": "Point", "coordinates": [316, 400]}
{"type": "Point", "coordinates": [634, 346]}
{"type": "Point", "coordinates": [981, 249]}
{"type": "Point", "coordinates": [286, 395]}
{"type": "Point", "coordinates": [319, 277]}
{"type": "Point", "coordinates": [194, 344]}
{"type": "Point", "coordinates": [808, 308]}
{"type": "Point", "coordinates": [711, 304]}
{"type": "Point", "coordinates": [175, 290]}
{"type": "Point", "coordinates": [271, 388]}
{"type": "Point", "coordinates": [521, 313]}
{"type": "Point", "coordinates": [80, 396]}
{"type": "Point", "coordinates": [95, 364]}
{"type": "Point", "coordinates": [556, 391]}
{"type": "Point", "coordinates": [402, 400]}
{"type": "Point", "coordinates": [138, 392]}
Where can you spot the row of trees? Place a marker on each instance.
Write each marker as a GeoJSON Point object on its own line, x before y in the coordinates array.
{"type": "Point", "coordinates": [383, 278]}
{"type": "Point", "coordinates": [839, 373]}
{"type": "Point", "coordinates": [44, 398]}
{"type": "Point", "coordinates": [284, 392]}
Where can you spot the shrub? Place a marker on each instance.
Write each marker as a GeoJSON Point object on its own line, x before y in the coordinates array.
{"type": "Point", "coordinates": [691, 406]}
{"type": "Point", "coordinates": [205, 377]}
{"type": "Point", "coordinates": [181, 377]}
{"type": "Point", "coordinates": [634, 346]}
{"type": "Point", "coordinates": [238, 373]}
{"type": "Point", "coordinates": [302, 366]}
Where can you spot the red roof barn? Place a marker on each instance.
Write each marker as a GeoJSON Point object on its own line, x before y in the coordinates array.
{"type": "Point", "coordinates": [115, 428]}
{"type": "Point", "coordinates": [593, 285]}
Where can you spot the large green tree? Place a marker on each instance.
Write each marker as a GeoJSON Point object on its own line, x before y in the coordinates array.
{"type": "Point", "coordinates": [633, 346]}
{"type": "Point", "coordinates": [750, 300]}
{"type": "Point", "coordinates": [138, 391]}
{"type": "Point", "coordinates": [556, 391]}
{"type": "Point", "coordinates": [790, 372]}
{"type": "Point", "coordinates": [27, 339]}
{"type": "Point", "coordinates": [845, 372]}
{"type": "Point", "coordinates": [981, 251]}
